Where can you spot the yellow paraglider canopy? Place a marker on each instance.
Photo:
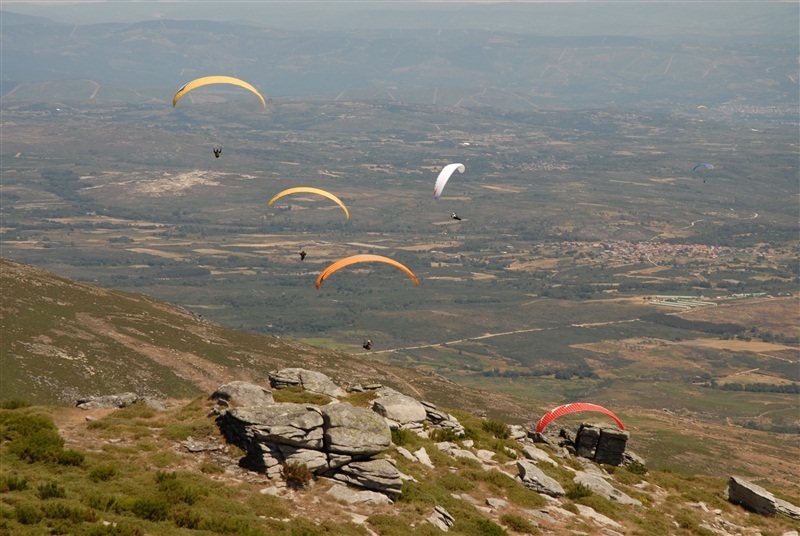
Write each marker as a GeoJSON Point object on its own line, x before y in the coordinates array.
{"type": "Point", "coordinates": [215, 80]}
{"type": "Point", "coordinates": [307, 189]}
{"type": "Point", "coordinates": [362, 258]}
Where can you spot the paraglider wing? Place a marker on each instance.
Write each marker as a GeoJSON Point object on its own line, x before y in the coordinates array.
{"type": "Point", "coordinates": [572, 408]}
{"type": "Point", "coordinates": [305, 189]}
{"type": "Point", "coordinates": [709, 166]}
{"type": "Point", "coordinates": [215, 80]}
{"type": "Point", "coordinates": [444, 176]}
{"type": "Point", "coordinates": [362, 258]}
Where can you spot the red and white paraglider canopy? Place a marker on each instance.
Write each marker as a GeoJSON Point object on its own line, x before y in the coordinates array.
{"type": "Point", "coordinates": [573, 408]}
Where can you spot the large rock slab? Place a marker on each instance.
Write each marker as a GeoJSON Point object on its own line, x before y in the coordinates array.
{"type": "Point", "coordinates": [120, 400]}
{"type": "Point", "coordinates": [354, 431]}
{"type": "Point", "coordinates": [399, 408]}
{"type": "Point", "coordinates": [537, 455]}
{"type": "Point", "coordinates": [604, 489]}
{"type": "Point", "coordinates": [309, 380]}
{"type": "Point", "coordinates": [533, 478]}
{"type": "Point", "coordinates": [758, 500]}
{"type": "Point", "coordinates": [299, 425]}
{"type": "Point", "coordinates": [351, 496]}
{"type": "Point", "coordinates": [241, 393]}
{"type": "Point", "coordinates": [378, 475]}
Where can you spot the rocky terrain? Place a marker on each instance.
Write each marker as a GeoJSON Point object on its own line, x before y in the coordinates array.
{"type": "Point", "coordinates": [361, 449]}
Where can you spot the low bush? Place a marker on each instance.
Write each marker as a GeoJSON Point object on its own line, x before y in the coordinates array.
{"type": "Point", "coordinates": [12, 483]}
{"type": "Point", "coordinates": [479, 527]}
{"type": "Point", "coordinates": [59, 510]}
{"type": "Point", "coordinates": [102, 473]}
{"type": "Point", "coordinates": [50, 490]}
{"type": "Point", "coordinates": [114, 529]}
{"type": "Point", "coordinates": [298, 395]}
{"type": "Point", "coordinates": [519, 524]}
{"type": "Point", "coordinates": [578, 491]}
{"type": "Point", "coordinates": [14, 403]}
{"type": "Point", "coordinates": [176, 489]}
{"type": "Point", "coordinates": [636, 468]}
{"type": "Point", "coordinates": [498, 429]}
{"type": "Point", "coordinates": [71, 457]}
{"type": "Point", "coordinates": [42, 446]}
{"type": "Point", "coordinates": [444, 434]}
{"type": "Point", "coordinates": [296, 475]}
{"type": "Point", "coordinates": [27, 514]}
{"type": "Point", "coordinates": [402, 437]}
{"type": "Point", "coordinates": [151, 508]}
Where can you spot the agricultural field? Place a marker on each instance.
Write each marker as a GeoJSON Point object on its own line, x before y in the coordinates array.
{"type": "Point", "coordinates": [575, 224]}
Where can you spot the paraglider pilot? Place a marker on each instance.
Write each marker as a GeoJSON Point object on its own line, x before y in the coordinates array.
{"type": "Point", "coordinates": [367, 344]}
{"type": "Point", "coordinates": [217, 152]}
{"type": "Point", "coordinates": [455, 216]}
{"type": "Point", "coordinates": [302, 255]}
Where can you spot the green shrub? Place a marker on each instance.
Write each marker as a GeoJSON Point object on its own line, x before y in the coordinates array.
{"type": "Point", "coordinates": [497, 428]}
{"type": "Point", "coordinates": [150, 508]}
{"type": "Point", "coordinates": [524, 497]}
{"type": "Point", "coordinates": [27, 514]}
{"type": "Point", "coordinates": [296, 475]}
{"type": "Point", "coordinates": [43, 446]}
{"type": "Point", "coordinates": [578, 491]}
{"type": "Point", "coordinates": [519, 524]}
{"type": "Point", "coordinates": [237, 526]}
{"type": "Point", "coordinates": [362, 400]}
{"type": "Point", "coordinates": [50, 490]}
{"type": "Point", "coordinates": [444, 434]}
{"type": "Point", "coordinates": [298, 395]}
{"type": "Point", "coordinates": [177, 490]}
{"type": "Point", "coordinates": [456, 482]}
{"type": "Point", "coordinates": [14, 403]}
{"type": "Point", "coordinates": [71, 457]}
{"type": "Point", "coordinates": [569, 506]}
{"type": "Point", "coordinates": [102, 473]}
{"type": "Point", "coordinates": [478, 527]}
{"type": "Point", "coordinates": [12, 483]}
{"type": "Point", "coordinates": [101, 502]}
{"type": "Point", "coordinates": [15, 424]}
{"type": "Point", "coordinates": [686, 519]}
{"type": "Point", "coordinates": [59, 510]}
{"type": "Point", "coordinates": [139, 410]}
{"type": "Point", "coordinates": [186, 519]}
{"type": "Point", "coordinates": [402, 437]}
{"type": "Point", "coordinates": [114, 529]}
{"type": "Point", "coordinates": [179, 431]}
{"type": "Point", "coordinates": [211, 468]}
{"type": "Point", "coordinates": [636, 468]}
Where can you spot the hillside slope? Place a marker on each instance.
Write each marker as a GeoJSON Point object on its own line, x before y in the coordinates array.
{"type": "Point", "coordinates": [63, 340]}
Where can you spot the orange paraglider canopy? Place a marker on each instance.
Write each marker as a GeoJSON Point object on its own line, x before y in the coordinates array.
{"type": "Point", "coordinates": [362, 258]}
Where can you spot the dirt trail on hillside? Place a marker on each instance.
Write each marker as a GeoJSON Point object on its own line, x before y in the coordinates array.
{"type": "Point", "coordinates": [204, 374]}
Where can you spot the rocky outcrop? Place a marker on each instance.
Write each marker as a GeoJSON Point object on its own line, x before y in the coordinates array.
{"type": "Point", "coordinates": [533, 478]}
{"type": "Point", "coordinates": [378, 475]}
{"type": "Point", "coordinates": [355, 431]}
{"type": "Point", "coordinates": [601, 444]}
{"type": "Point", "coordinates": [441, 519]}
{"type": "Point", "coordinates": [309, 380]}
{"type": "Point", "coordinates": [442, 420]}
{"type": "Point", "coordinates": [243, 394]}
{"type": "Point", "coordinates": [604, 489]}
{"type": "Point", "coordinates": [398, 407]}
{"type": "Point", "coordinates": [120, 400]}
{"type": "Point", "coordinates": [758, 500]}
{"type": "Point", "coordinates": [336, 440]}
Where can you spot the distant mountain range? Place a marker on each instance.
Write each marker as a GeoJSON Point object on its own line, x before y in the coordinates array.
{"type": "Point", "coordinates": [448, 66]}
